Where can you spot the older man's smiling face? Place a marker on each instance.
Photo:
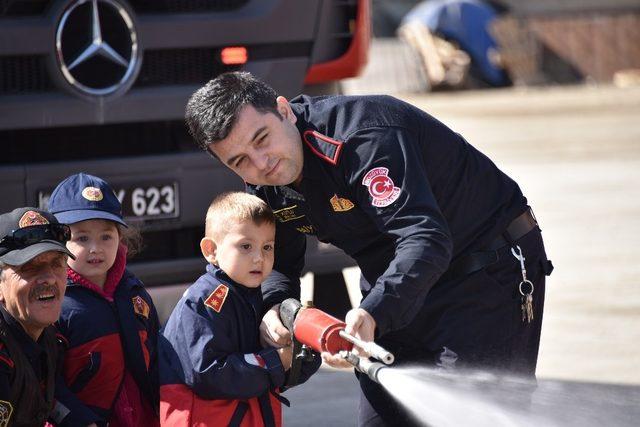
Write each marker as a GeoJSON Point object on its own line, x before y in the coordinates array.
{"type": "Point", "coordinates": [32, 293]}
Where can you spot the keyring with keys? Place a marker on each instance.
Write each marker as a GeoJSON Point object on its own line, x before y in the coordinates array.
{"type": "Point", "coordinates": [526, 294]}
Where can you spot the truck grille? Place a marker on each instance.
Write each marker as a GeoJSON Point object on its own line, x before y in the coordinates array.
{"type": "Point", "coordinates": [23, 74]}
{"type": "Point", "coordinates": [193, 66]}
{"type": "Point", "coordinates": [28, 74]}
{"type": "Point", "coordinates": [39, 7]}
{"type": "Point", "coordinates": [178, 6]}
{"type": "Point", "coordinates": [180, 66]}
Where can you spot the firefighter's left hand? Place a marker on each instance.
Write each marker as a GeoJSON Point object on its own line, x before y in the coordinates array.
{"type": "Point", "coordinates": [359, 324]}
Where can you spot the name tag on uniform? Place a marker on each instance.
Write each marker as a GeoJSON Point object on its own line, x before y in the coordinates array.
{"type": "Point", "coordinates": [289, 213]}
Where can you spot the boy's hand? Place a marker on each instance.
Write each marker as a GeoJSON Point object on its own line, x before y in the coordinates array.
{"type": "Point", "coordinates": [272, 332]}
{"type": "Point", "coordinates": [286, 354]}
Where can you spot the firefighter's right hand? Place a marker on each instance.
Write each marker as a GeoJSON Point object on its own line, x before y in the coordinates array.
{"type": "Point", "coordinates": [286, 355]}
{"type": "Point", "coordinates": [272, 332]}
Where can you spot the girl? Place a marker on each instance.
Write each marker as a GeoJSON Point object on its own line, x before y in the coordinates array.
{"type": "Point", "coordinates": [108, 319]}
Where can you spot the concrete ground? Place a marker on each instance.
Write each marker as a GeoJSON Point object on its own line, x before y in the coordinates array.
{"type": "Point", "coordinates": [575, 151]}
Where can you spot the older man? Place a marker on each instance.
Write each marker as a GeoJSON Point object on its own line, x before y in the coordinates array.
{"type": "Point", "coordinates": [33, 260]}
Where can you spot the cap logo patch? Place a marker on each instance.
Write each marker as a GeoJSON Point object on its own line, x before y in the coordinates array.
{"type": "Point", "coordinates": [216, 300]}
{"type": "Point", "coordinates": [338, 204]}
{"type": "Point", "coordinates": [92, 194]}
{"type": "Point", "coordinates": [5, 413]}
{"type": "Point", "coordinates": [140, 306]}
{"type": "Point", "coordinates": [30, 218]}
{"type": "Point", "coordinates": [381, 187]}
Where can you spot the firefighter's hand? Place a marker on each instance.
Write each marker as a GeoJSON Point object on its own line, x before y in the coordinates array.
{"type": "Point", "coordinates": [272, 332]}
{"type": "Point", "coordinates": [286, 354]}
{"type": "Point", "coordinates": [359, 324]}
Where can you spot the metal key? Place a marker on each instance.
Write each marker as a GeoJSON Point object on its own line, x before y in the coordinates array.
{"type": "Point", "coordinates": [527, 294]}
{"type": "Point", "coordinates": [527, 308]}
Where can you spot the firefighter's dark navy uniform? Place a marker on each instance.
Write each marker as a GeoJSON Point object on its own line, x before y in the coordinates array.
{"type": "Point", "coordinates": [221, 374]}
{"type": "Point", "coordinates": [112, 346]}
{"type": "Point", "coordinates": [430, 221]}
{"type": "Point", "coordinates": [27, 373]}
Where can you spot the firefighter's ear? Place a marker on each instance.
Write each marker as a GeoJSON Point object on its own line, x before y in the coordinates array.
{"type": "Point", "coordinates": [285, 109]}
{"type": "Point", "coordinates": [208, 248]}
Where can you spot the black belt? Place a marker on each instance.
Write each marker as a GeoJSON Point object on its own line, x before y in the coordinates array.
{"type": "Point", "coordinates": [475, 261]}
{"type": "Point", "coordinates": [520, 226]}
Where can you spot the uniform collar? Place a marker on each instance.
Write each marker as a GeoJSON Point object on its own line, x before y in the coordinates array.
{"type": "Point", "coordinates": [313, 167]}
{"type": "Point", "coordinates": [114, 276]}
{"type": "Point", "coordinates": [30, 347]}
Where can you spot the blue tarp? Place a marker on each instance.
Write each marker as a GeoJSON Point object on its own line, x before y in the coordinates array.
{"type": "Point", "coordinates": [466, 22]}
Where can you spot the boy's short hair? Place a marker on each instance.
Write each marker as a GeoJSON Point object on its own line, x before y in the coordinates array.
{"type": "Point", "coordinates": [236, 206]}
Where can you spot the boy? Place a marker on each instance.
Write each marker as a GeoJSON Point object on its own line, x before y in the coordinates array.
{"type": "Point", "coordinates": [213, 333]}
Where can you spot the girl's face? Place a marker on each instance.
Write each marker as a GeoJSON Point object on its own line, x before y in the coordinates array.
{"type": "Point", "coordinates": [94, 242]}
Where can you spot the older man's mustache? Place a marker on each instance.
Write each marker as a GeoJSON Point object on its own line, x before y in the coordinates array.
{"type": "Point", "coordinates": [44, 292]}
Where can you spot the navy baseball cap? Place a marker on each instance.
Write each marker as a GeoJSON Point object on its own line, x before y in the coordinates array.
{"type": "Point", "coordinates": [81, 197]}
{"type": "Point", "coordinates": [28, 232]}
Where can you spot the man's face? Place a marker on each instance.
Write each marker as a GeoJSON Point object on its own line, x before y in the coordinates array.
{"type": "Point", "coordinates": [32, 293]}
{"type": "Point", "coordinates": [263, 149]}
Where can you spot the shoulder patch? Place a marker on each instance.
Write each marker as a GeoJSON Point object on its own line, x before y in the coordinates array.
{"type": "Point", "coordinates": [140, 306]}
{"type": "Point", "coordinates": [216, 300]}
{"type": "Point", "coordinates": [381, 187]}
{"type": "Point", "coordinates": [5, 413]}
{"type": "Point", "coordinates": [326, 148]}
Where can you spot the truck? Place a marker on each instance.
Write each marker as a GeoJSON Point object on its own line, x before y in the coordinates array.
{"type": "Point", "coordinates": [100, 86]}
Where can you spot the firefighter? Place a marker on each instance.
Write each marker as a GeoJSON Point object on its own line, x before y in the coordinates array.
{"type": "Point", "coordinates": [452, 259]}
{"type": "Point", "coordinates": [33, 259]}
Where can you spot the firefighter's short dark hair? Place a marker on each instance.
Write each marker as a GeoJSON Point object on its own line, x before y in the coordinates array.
{"type": "Point", "coordinates": [213, 110]}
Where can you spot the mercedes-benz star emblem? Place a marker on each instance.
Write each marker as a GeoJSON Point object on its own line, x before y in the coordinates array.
{"type": "Point", "coordinates": [97, 47]}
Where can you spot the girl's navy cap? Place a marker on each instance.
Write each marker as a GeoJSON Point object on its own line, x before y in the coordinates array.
{"type": "Point", "coordinates": [81, 197]}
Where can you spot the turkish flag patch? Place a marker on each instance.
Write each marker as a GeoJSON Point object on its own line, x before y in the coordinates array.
{"type": "Point", "coordinates": [215, 301]}
{"type": "Point", "coordinates": [381, 187]}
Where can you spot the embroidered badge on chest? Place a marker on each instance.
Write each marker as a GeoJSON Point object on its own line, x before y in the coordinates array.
{"type": "Point", "coordinates": [306, 229]}
{"type": "Point", "coordinates": [140, 306]}
{"type": "Point", "coordinates": [339, 204]}
{"type": "Point", "coordinates": [288, 214]}
{"type": "Point", "coordinates": [216, 300]}
{"type": "Point", "coordinates": [5, 413]}
{"type": "Point", "coordinates": [381, 187]}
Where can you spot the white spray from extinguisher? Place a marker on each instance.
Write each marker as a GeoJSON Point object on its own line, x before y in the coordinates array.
{"type": "Point", "coordinates": [454, 398]}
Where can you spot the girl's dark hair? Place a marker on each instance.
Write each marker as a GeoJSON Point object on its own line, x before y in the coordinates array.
{"type": "Point", "coordinates": [131, 238]}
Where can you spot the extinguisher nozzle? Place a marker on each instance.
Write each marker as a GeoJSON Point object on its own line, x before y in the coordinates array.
{"type": "Point", "coordinates": [367, 367]}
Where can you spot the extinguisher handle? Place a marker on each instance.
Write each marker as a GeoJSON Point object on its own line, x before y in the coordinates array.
{"type": "Point", "coordinates": [370, 347]}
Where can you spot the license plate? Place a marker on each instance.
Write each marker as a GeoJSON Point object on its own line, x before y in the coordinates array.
{"type": "Point", "coordinates": [140, 201]}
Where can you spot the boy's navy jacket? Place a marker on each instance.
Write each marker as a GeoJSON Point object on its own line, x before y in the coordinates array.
{"type": "Point", "coordinates": [104, 338]}
{"type": "Point", "coordinates": [214, 369]}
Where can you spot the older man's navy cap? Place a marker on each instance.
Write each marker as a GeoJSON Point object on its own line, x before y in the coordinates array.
{"type": "Point", "coordinates": [81, 197]}
{"type": "Point", "coordinates": [28, 232]}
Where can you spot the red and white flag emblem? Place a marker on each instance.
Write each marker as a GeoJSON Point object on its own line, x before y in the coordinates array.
{"type": "Point", "coordinates": [381, 187]}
